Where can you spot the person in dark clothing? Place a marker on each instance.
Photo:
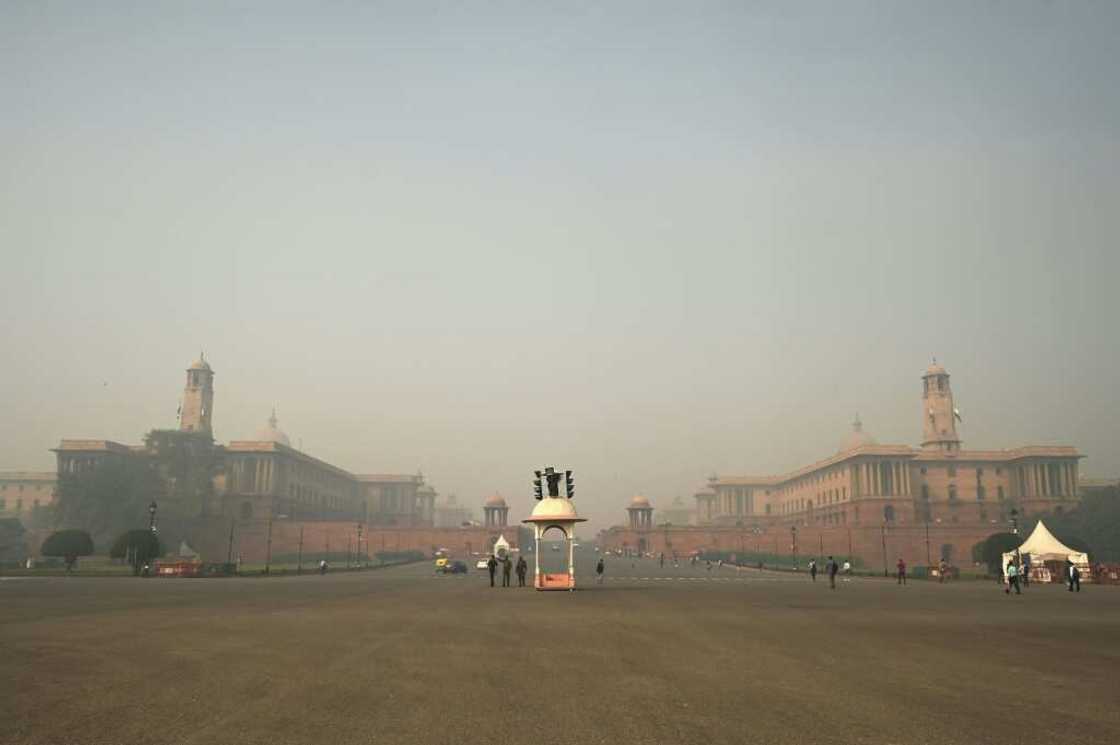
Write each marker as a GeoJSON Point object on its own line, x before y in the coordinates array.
{"type": "Point", "coordinates": [661, 559]}
{"type": "Point", "coordinates": [522, 568]}
{"type": "Point", "coordinates": [1026, 578]}
{"type": "Point", "coordinates": [507, 567]}
{"type": "Point", "coordinates": [833, 568]}
{"type": "Point", "coordinates": [813, 569]}
{"type": "Point", "coordinates": [901, 571]}
{"type": "Point", "coordinates": [599, 571]}
{"type": "Point", "coordinates": [492, 565]}
{"type": "Point", "coordinates": [1073, 575]}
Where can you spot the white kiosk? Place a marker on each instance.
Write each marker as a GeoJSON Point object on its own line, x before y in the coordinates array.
{"type": "Point", "coordinates": [554, 512]}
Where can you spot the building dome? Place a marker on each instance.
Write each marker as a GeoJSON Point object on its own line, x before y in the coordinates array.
{"type": "Point", "coordinates": [272, 433]}
{"type": "Point", "coordinates": [640, 503]}
{"type": "Point", "coordinates": [857, 438]}
{"type": "Point", "coordinates": [495, 500]}
{"type": "Point", "coordinates": [200, 364]}
{"type": "Point", "coordinates": [554, 508]}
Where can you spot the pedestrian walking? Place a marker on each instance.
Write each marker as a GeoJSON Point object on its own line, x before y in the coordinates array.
{"type": "Point", "coordinates": [507, 567]}
{"type": "Point", "coordinates": [522, 569]}
{"type": "Point", "coordinates": [1026, 570]}
{"type": "Point", "coordinates": [661, 559]}
{"type": "Point", "coordinates": [901, 571]}
{"type": "Point", "coordinates": [599, 571]}
{"type": "Point", "coordinates": [833, 568]}
{"type": "Point", "coordinates": [1012, 578]}
{"type": "Point", "coordinates": [492, 565]}
{"type": "Point", "coordinates": [1073, 575]}
{"type": "Point", "coordinates": [941, 568]}
{"type": "Point", "coordinates": [813, 569]}
{"type": "Point", "coordinates": [322, 566]}
{"type": "Point", "coordinates": [847, 568]}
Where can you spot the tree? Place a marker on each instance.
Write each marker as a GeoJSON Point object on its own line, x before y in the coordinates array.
{"type": "Point", "coordinates": [69, 544]}
{"type": "Point", "coordinates": [990, 551]}
{"type": "Point", "coordinates": [138, 546]}
{"type": "Point", "coordinates": [12, 544]}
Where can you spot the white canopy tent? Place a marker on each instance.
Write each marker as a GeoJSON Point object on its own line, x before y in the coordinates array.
{"type": "Point", "coordinates": [1042, 546]}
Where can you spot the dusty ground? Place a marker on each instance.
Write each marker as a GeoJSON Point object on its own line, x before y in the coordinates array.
{"type": "Point", "coordinates": [652, 656]}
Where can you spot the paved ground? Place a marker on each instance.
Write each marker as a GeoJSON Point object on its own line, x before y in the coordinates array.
{"type": "Point", "coordinates": [653, 655]}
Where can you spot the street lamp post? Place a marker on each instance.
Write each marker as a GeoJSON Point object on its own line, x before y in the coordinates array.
{"type": "Point", "coordinates": [359, 543]}
{"type": "Point", "coordinates": [884, 530]}
{"type": "Point", "coordinates": [1015, 531]}
{"type": "Point", "coordinates": [928, 556]}
{"type": "Point", "coordinates": [152, 516]}
{"type": "Point", "coordinates": [793, 534]}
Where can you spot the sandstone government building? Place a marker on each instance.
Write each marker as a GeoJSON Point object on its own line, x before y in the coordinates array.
{"type": "Point", "coordinates": [261, 497]}
{"type": "Point", "coordinates": [870, 500]}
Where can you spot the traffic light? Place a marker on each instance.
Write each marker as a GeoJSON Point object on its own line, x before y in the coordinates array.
{"type": "Point", "coordinates": [570, 483]}
{"type": "Point", "coordinates": [538, 492]}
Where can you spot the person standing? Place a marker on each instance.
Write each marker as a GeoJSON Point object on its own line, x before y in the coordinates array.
{"type": "Point", "coordinates": [507, 567]}
{"type": "Point", "coordinates": [1026, 570]}
{"type": "Point", "coordinates": [522, 568]}
{"type": "Point", "coordinates": [1012, 578]}
{"type": "Point", "coordinates": [833, 568]}
{"type": "Point", "coordinates": [941, 567]}
{"type": "Point", "coordinates": [492, 565]}
{"type": "Point", "coordinates": [901, 571]}
{"type": "Point", "coordinates": [1074, 576]}
{"type": "Point", "coordinates": [599, 571]}
{"type": "Point", "coordinates": [661, 559]}
{"type": "Point", "coordinates": [813, 569]}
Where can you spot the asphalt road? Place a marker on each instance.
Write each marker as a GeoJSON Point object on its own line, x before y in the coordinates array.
{"type": "Point", "coordinates": [653, 655]}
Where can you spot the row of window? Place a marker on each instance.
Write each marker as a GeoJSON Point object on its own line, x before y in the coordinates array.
{"type": "Point", "coordinates": [18, 505]}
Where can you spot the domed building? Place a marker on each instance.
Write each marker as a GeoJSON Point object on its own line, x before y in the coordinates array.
{"type": "Point", "coordinates": [272, 433]}
{"type": "Point", "coordinates": [495, 512]}
{"type": "Point", "coordinates": [641, 513]}
{"type": "Point", "coordinates": [924, 502]}
{"type": "Point", "coordinates": [857, 438]}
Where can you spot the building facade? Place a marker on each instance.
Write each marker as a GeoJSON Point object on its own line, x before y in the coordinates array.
{"type": "Point", "coordinates": [24, 494]}
{"type": "Point", "coordinates": [867, 487]}
{"type": "Point", "coordinates": [256, 480]}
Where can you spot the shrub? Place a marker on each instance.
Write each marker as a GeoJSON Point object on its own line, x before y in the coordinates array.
{"type": "Point", "coordinates": [138, 546]}
{"type": "Point", "coordinates": [69, 544]}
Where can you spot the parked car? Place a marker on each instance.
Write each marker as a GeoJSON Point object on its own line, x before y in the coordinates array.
{"type": "Point", "coordinates": [455, 567]}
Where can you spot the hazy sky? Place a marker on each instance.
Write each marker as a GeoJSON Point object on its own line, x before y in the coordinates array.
{"type": "Point", "coordinates": [644, 241]}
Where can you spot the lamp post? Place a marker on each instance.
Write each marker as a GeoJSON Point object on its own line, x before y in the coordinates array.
{"type": "Point", "coordinates": [359, 543]}
{"type": "Point", "coordinates": [793, 534]}
{"type": "Point", "coordinates": [928, 558]}
{"type": "Point", "coordinates": [884, 531]}
{"type": "Point", "coordinates": [1015, 531]}
{"type": "Point", "coordinates": [152, 516]}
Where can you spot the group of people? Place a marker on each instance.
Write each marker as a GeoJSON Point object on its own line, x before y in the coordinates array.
{"type": "Point", "coordinates": [508, 566]}
{"type": "Point", "coordinates": [1019, 575]}
{"type": "Point", "coordinates": [831, 567]}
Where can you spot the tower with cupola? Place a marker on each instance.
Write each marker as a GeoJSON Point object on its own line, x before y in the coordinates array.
{"type": "Point", "coordinates": [939, 416]}
{"type": "Point", "coordinates": [198, 398]}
